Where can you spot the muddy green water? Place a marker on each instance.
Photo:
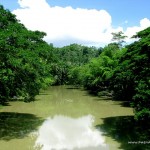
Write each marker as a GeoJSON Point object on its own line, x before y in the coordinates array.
{"type": "Point", "coordinates": [63, 118]}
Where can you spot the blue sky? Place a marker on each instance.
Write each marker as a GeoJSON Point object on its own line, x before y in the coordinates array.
{"type": "Point", "coordinates": [124, 13]}
{"type": "Point", "coordinates": [120, 10]}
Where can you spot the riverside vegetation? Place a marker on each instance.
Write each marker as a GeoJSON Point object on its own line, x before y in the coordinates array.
{"type": "Point", "coordinates": [28, 64]}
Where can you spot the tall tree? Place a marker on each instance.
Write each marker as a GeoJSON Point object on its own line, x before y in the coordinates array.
{"type": "Point", "coordinates": [119, 37]}
{"type": "Point", "coordinates": [132, 75]}
{"type": "Point", "coordinates": [23, 59]}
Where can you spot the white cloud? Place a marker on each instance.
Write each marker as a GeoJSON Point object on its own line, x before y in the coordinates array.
{"type": "Point", "coordinates": [130, 31]}
{"type": "Point", "coordinates": [66, 133]}
{"type": "Point", "coordinates": [65, 25]}
{"type": "Point", "coordinates": [144, 23]}
{"type": "Point", "coordinates": [68, 25]}
{"type": "Point", "coordinates": [34, 4]}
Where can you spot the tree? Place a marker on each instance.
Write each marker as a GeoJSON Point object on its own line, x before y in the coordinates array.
{"type": "Point", "coordinates": [95, 75]}
{"type": "Point", "coordinates": [131, 78]}
{"type": "Point", "coordinates": [119, 37]}
{"type": "Point", "coordinates": [23, 59]}
{"type": "Point", "coordinates": [69, 57]}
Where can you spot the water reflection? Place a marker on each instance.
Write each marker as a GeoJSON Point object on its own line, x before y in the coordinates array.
{"type": "Point", "coordinates": [17, 125]}
{"type": "Point", "coordinates": [65, 133]}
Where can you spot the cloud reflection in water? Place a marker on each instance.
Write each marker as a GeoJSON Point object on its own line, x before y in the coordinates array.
{"type": "Point", "coordinates": [65, 133]}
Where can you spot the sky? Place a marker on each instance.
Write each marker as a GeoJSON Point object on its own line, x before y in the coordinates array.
{"type": "Point", "coordinates": [86, 22]}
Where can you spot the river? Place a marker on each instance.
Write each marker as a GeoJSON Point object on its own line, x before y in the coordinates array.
{"type": "Point", "coordinates": [65, 118]}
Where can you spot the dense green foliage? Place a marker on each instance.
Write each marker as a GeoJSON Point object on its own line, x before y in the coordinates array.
{"type": "Point", "coordinates": [124, 72]}
{"type": "Point", "coordinates": [96, 74]}
{"type": "Point", "coordinates": [132, 76]}
{"type": "Point", "coordinates": [69, 57]}
{"type": "Point", "coordinates": [23, 59]}
{"type": "Point", "coordinates": [27, 64]}
{"type": "Point", "coordinates": [138, 55]}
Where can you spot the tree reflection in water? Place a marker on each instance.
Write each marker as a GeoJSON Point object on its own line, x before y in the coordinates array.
{"type": "Point", "coordinates": [65, 133]}
{"type": "Point", "coordinates": [129, 133]}
{"type": "Point", "coordinates": [17, 125]}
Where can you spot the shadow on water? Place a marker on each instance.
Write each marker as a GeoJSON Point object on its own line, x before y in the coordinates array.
{"type": "Point", "coordinates": [17, 125]}
{"type": "Point", "coordinates": [73, 87]}
{"type": "Point", "coordinates": [5, 104]}
{"type": "Point", "coordinates": [103, 95]}
{"type": "Point", "coordinates": [126, 103]}
{"type": "Point", "coordinates": [125, 130]}
{"type": "Point", "coordinates": [104, 98]}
